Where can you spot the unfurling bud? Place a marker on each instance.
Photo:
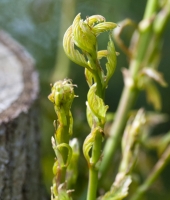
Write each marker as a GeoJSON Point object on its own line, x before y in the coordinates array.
{"type": "Point", "coordinates": [84, 37]}
{"type": "Point", "coordinates": [62, 94]}
{"type": "Point", "coordinates": [83, 34]}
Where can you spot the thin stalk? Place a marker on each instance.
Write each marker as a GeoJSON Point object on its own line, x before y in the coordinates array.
{"type": "Point", "coordinates": [144, 39]}
{"type": "Point", "coordinates": [92, 186]}
{"type": "Point", "coordinates": [129, 95]}
{"type": "Point", "coordinates": [96, 151]}
{"type": "Point", "coordinates": [62, 95]}
{"type": "Point", "coordinates": [160, 165]}
{"type": "Point", "coordinates": [93, 170]}
{"type": "Point", "coordinates": [126, 102]}
{"type": "Point", "coordinates": [63, 135]}
{"type": "Point", "coordinates": [151, 7]}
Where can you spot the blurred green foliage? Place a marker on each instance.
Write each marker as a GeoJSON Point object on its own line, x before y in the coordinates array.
{"type": "Point", "coordinates": [37, 25]}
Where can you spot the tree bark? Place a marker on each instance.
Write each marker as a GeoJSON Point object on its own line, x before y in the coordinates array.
{"type": "Point", "coordinates": [19, 131]}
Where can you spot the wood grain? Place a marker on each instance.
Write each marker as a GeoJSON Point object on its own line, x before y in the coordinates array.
{"type": "Point", "coordinates": [19, 129]}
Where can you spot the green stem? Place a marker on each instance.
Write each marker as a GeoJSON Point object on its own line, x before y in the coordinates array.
{"type": "Point", "coordinates": [151, 7]}
{"type": "Point", "coordinates": [129, 94]}
{"type": "Point", "coordinates": [97, 73]}
{"type": "Point", "coordinates": [96, 149]}
{"type": "Point", "coordinates": [160, 165]}
{"type": "Point", "coordinates": [63, 136]}
{"type": "Point", "coordinates": [144, 39]}
{"type": "Point", "coordinates": [92, 186]}
{"type": "Point", "coordinates": [93, 168]}
{"type": "Point", "coordinates": [127, 100]}
{"type": "Point", "coordinates": [93, 171]}
{"type": "Point", "coordinates": [99, 90]}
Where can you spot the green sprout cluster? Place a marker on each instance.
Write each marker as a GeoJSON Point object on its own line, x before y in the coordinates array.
{"type": "Point", "coordinates": [80, 45]}
{"type": "Point", "coordinates": [131, 128]}
{"type": "Point", "coordinates": [66, 151]}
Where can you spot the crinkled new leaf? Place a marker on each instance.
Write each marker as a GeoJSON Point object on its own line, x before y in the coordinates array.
{"type": "Point", "coordinates": [84, 38]}
{"type": "Point", "coordinates": [103, 27]}
{"type": "Point", "coordinates": [96, 104]}
{"type": "Point", "coordinates": [89, 141]}
{"type": "Point", "coordinates": [101, 54]}
{"type": "Point", "coordinates": [89, 77]}
{"type": "Point", "coordinates": [111, 60]}
{"type": "Point", "coordinates": [91, 118]}
{"type": "Point", "coordinates": [71, 52]}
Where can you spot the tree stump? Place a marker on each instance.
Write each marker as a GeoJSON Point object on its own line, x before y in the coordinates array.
{"type": "Point", "coordinates": [19, 132]}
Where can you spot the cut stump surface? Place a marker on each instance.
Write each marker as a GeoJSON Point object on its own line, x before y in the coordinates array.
{"type": "Point", "coordinates": [19, 132]}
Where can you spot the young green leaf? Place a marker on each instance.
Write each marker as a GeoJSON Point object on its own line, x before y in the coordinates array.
{"type": "Point", "coordinates": [89, 115]}
{"type": "Point", "coordinates": [103, 27]}
{"type": "Point", "coordinates": [83, 36]}
{"type": "Point", "coordinates": [101, 54]}
{"type": "Point", "coordinates": [89, 141]}
{"type": "Point", "coordinates": [91, 118]}
{"type": "Point", "coordinates": [71, 52]}
{"type": "Point", "coordinates": [111, 60]}
{"type": "Point", "coordinates": [89, 77]}
{"type": "Point", "coordinates": [96, 104]}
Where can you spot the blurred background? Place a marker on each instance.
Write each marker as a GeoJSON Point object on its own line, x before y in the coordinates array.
{"type": "Point", "coordinates": [39, 26]}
